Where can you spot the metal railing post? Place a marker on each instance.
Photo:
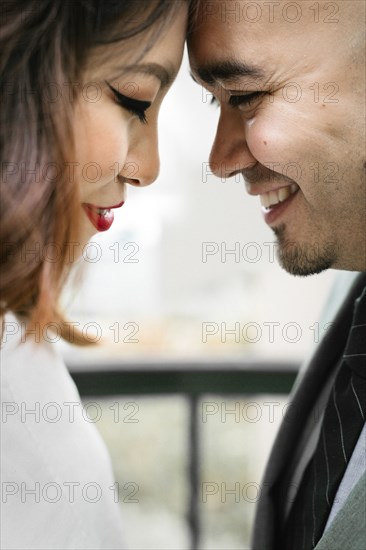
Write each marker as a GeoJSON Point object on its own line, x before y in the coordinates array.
{"type": "Point", "coordinates": [194, 519]}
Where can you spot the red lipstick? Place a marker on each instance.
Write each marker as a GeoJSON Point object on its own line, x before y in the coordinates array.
{"type": "Point", "coordinates": [101, 216]}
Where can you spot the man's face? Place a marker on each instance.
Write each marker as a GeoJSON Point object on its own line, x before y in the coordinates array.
{"type": "Point", "coordinates": [289, 78]}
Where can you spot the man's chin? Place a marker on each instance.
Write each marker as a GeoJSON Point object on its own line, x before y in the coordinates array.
{"type": "Point", "coordinates": [306, 258]}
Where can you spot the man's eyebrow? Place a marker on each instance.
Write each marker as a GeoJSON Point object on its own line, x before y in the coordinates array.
{"type": "Point", "coordinates": [166, 75]}
{"type": "Point", "coordinates": [230, 70]}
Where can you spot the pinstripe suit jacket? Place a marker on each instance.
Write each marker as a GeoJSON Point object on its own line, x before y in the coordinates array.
{"type": "Point", "coordinates": [348, 530]}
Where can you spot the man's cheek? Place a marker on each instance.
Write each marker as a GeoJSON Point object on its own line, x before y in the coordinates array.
{"type": "Point", "coordinates": [273, 143]}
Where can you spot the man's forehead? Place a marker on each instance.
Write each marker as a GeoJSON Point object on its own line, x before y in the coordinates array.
{"type": "Point", "coordinates": [223, 47]}
{"type": "Point", "coordinates": [218, 55]}
{"type": "Point", "coordinates": [242, 24]}
{"type": "Point", "coordinates": [252, 13]}
{"type": "Point", "coordinates": [220, 48]}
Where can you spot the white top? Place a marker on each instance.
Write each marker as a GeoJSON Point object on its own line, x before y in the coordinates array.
{"type": "Point", "coordinates": [57, 484]}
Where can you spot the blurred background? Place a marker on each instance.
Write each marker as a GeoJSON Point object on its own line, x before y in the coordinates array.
{"type": "Point", "coordinates": [187, 276]}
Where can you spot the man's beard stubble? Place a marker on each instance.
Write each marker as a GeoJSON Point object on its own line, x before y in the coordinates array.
{"type": "Point", "coordinates": [302, 260]}
{"type": "Point", "coordinates": [306, 259]}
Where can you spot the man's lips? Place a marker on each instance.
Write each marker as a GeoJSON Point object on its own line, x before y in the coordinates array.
{"type": "Point", "coordinates": [274, 199]}
{"type": "Point", "coordinates": [272, 195]}
{"type": "Point", "coordinates": [101, 216]}
{"type": "Point", "coordinates": [276, 196]}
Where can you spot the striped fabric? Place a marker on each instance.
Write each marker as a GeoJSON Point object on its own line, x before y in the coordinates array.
{"type": "Point", "coordinates": [343, 421]}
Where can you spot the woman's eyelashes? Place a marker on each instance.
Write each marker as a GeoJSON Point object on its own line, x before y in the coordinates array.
{"type": "Point", "coordinates": [134, 106]}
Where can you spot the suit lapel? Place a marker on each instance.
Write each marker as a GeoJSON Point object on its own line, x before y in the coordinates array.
{"type": "Point", "coordinates": [302, 400]}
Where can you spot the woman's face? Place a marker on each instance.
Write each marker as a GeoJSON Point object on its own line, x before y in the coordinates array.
{"type": "Point", "coordinates": [116, 139]}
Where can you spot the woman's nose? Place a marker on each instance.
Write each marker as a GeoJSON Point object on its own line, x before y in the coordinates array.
{"type": "Point", "coordinates": [143, 163]}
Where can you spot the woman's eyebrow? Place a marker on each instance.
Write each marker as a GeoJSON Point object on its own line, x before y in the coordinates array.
{"type": "Point", "coordinates": [166, 75]}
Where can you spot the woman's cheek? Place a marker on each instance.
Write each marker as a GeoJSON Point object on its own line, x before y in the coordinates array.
{"type": "Point", "coordinates": [102, 140]}
{"type": "Point", "coordinates": [108, 156]}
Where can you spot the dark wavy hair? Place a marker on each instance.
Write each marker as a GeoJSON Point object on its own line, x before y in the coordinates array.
{"type": "Point", "coordinates": [43, 42]}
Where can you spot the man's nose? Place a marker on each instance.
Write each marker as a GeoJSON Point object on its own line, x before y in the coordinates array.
{"type": "Point", "coordinates": [230, 153]}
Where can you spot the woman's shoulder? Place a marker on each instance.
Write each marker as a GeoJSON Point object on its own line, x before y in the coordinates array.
{"type": "Point", "coordinates": [48, 445]}
{"type": "Point", "coordinates": [31, 364]}
{"type": "Point", "coordinates": [12, 332]}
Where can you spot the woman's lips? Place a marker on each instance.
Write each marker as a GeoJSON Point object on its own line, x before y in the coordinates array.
{"type": "Point", "coordinates": [101, 216]}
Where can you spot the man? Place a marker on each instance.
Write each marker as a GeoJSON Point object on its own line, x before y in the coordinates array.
{"type": "Point", "coordinates": [289, 78]}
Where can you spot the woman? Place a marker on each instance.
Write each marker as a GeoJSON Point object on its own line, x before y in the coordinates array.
{"type": "Point", "coordinates": [82, 83]}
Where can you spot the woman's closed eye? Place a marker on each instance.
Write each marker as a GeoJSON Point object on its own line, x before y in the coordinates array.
{"type": "Point", "coordinates": [135, 106]}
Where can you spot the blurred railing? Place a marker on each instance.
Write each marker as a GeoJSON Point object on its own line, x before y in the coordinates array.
{"type": "Point", "coordinates": [192, 379]}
